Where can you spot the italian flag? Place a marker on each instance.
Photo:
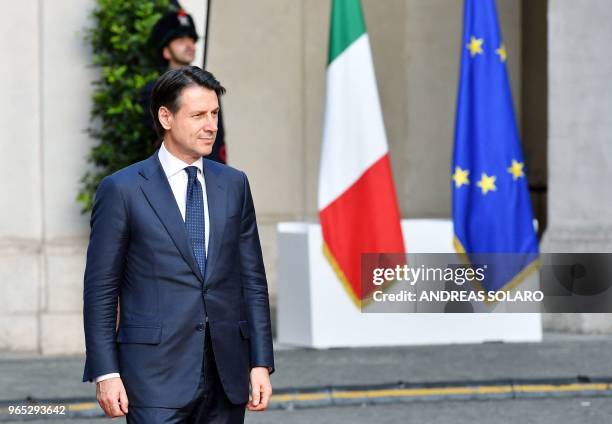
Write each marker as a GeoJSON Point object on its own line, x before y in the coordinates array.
{"type": "Point", "coordinates": [357, 203]}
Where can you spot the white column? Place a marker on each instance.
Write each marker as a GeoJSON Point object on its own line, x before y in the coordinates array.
{"type": "Point", "coordinates": [20, 180]}
{"type": "Point", "coordinates": [580, 138]}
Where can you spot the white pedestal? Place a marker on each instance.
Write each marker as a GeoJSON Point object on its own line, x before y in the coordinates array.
{"type": "Point", "coordinates": [315, 311]}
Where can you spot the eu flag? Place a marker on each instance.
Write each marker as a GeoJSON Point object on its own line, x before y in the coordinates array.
{"type": "Point", "coordinates": [491, 207]}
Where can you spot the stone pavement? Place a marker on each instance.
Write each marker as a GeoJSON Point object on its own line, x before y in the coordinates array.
{"type": "Point", "coordinates": [558, 356]}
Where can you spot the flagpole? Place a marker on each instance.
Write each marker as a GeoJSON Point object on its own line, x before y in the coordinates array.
{"type": "Point", "coordinates": [206, 34]}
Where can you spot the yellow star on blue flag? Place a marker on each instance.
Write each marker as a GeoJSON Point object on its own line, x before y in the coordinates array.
{"type": "Point", "coordinates": [494, 214]}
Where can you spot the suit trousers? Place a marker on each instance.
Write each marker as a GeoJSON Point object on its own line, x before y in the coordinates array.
{"type": "Point", "coordinates": [210, 405]}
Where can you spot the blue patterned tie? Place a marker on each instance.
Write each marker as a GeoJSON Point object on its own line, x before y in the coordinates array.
{"type": "Point", "coordinates": [194, 217]}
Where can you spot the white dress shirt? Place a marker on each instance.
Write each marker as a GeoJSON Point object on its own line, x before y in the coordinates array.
{"type": "Point", "coordinates": [174, 168]}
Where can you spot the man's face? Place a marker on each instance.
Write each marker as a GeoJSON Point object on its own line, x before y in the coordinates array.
{"type": "Point", "coordinates": [191, 131]}
{"type": "Point", "coordinates": [180, 52]}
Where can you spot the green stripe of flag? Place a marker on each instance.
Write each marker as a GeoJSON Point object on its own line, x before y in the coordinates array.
{"type": "Point", "coordinates": [347, 25]}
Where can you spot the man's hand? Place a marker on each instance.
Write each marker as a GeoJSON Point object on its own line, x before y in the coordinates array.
{"type": "Point", "coordinates": [112, 397]}
{"type": "Point", "coordinates": [261, 389]}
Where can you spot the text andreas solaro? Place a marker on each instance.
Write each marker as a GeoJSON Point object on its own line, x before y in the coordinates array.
{"type": "Point", "coordinates": [444, 283]}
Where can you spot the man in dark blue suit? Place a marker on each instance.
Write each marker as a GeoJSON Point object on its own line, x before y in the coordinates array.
{"type": "Point", "coordinates": [174, 243]}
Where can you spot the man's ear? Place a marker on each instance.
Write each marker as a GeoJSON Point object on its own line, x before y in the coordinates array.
{"type": "Point", "coordinates": [166, 53]}
{"type": "Point", "coordinates": [165, 117]}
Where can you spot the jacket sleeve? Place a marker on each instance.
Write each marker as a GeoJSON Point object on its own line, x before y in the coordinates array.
{"type": "Point", "coordinates": [255, 286]}
{"type": "Point", "coordinates": [108, 244]}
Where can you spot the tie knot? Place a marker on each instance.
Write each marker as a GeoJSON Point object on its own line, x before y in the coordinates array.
{"type": "Point", "coordinates": [192, 172]}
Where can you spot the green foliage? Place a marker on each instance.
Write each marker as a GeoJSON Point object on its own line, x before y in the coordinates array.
{"type": "Point", "coordinates": [121, 50]}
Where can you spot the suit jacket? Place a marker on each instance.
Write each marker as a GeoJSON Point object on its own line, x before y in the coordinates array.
{"type": "Point", "coordinates": [139, 256]}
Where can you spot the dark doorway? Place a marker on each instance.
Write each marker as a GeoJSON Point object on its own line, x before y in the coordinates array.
{"type": "Point", "coordinates": [534, 103]}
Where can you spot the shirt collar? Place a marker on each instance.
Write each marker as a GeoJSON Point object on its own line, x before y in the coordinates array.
{"type": "Point", "coordinates": [173, 165]}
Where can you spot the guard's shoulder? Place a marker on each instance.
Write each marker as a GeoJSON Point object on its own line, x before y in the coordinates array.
{"type": "Point", "coordinates": [148, 87]}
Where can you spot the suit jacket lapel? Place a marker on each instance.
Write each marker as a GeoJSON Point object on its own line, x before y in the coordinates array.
{"type": "Point", "coordinates": [157, 190]}
{"type": "Point", "coordinates": [216, 194]}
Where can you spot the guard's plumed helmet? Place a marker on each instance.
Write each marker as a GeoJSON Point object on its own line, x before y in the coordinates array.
{"type": "Point", "coordinates": [170, 26]}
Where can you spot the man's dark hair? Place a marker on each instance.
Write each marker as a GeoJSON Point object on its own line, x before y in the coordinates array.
{"type": "Point", "coordinates": [168, 88]}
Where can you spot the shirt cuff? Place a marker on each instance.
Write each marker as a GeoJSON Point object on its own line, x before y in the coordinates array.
{"type": "Point", "coordinates": [106, 377]}
{"type": "Point", "coordinates": [270, 369]}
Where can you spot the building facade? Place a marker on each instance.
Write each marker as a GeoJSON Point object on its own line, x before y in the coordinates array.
{"type": "Point", "coordinates": [271, 55]}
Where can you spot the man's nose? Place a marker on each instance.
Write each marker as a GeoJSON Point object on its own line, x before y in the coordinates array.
{"type": "Point", "coordinates": [210, 124]}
